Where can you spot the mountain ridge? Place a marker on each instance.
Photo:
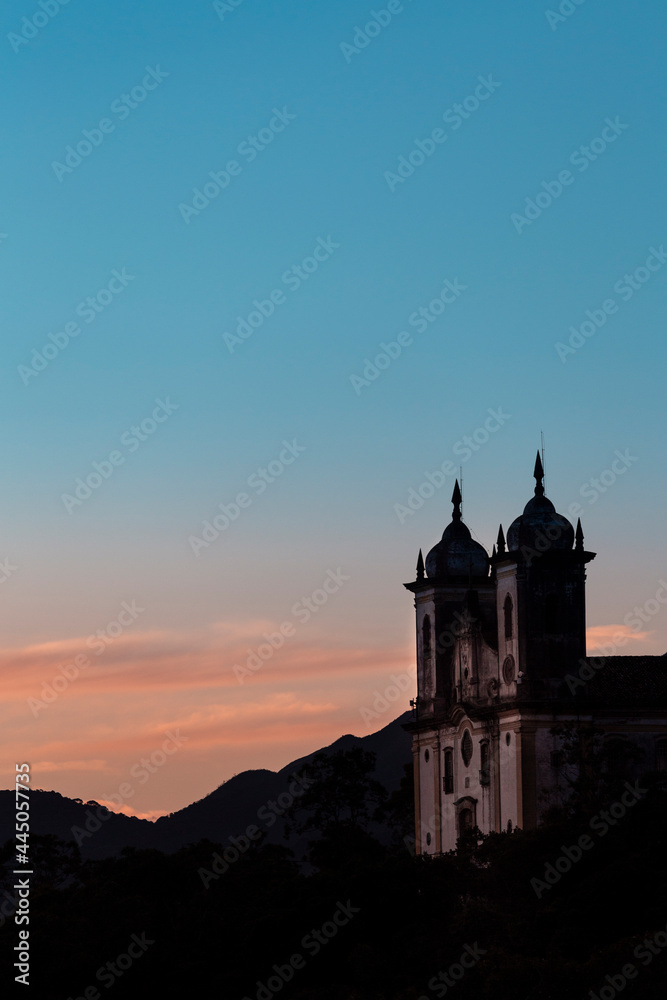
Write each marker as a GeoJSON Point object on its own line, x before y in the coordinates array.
{"type": "Point", "coordinates": [255, 797]}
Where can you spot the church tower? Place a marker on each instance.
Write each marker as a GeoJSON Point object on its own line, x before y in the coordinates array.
{"type": "Point", "coordinates": [454, 592]}
{"type": "Point", "coordinates": [495, 639]}
{"type": "Point", "coordinates": [541, 606]}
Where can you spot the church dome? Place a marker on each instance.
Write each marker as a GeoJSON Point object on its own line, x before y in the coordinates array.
{"type": "Point", "coordinates": [540, 521]}
{"type": "Point", "coordinates": [457, 553]}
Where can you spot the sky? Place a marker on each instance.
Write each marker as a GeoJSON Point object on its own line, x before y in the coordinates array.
{"type": "Point", "coordinates": [217, 219]}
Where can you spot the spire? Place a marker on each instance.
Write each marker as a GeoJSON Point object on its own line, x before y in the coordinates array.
{"type": "Point", "coordinates": [456, 500]}
{"type": "Point", "coordinates": [420, 566]}
{"type": "Point", "coordinates": [493, 563]}
{"type": "Point", "coordinates": [579, 536]}
{"type": "Point", "coordinates": [538, 472]}
{"type": "Point", "coordinates": [501, 541]}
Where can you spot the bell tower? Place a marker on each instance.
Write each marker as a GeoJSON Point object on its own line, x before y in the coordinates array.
{"type": "Point", "coordinates": [454, 596]}
{"type": "Point", "coordinates": [455, 608]}
{"type": "Point", "coordinates": [541, 609]}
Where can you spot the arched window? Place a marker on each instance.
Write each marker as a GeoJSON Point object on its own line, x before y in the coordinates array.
{"type": "Point", "coordinates": [551, 614]}
{"type": "Point", "coordinates": [509, 625]}
{"type": "Point", "coordinates": [448, 780]}
{"type": "Point", "coordinates": [661, 755]}
{"type": "Point", "coordinates": [426, 638]}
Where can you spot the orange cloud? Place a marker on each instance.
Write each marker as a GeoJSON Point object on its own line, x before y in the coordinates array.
{"type": "Point", "coordinates": [616, 636]}
{"type": "Point", "coordinates": [126, 810]}
{"type": "Point", "coordinates": [281, 714]}
{"type": "Point", "coordinates": [161, 660]}
{"type": "Point", "coordinates": [89, 726]}
{"type": "Point", "coordinates": [43, 766]}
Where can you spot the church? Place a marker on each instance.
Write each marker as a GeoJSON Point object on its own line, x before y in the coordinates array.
{"type": "Point", "coordinates": [501, 660]}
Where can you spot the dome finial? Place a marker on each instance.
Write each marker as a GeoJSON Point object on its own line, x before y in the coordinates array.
{"type": "Point", "coordinates": [540, 518]}
{"type": "Point", "coordinates": [456, 500]}
{"type": "Point", "coordinates": [420, 566]}
{"type": "Point", "coordinates": [457, 552]}
{"type": "Point", "coordinates": [538, 472]}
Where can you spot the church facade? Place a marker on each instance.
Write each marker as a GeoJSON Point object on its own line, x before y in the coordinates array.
{"type": "Point", "coordinates": [501, 661]}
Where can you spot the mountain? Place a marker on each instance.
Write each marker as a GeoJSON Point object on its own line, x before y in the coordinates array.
{"type": "Point", "coordinates": [251, 798]}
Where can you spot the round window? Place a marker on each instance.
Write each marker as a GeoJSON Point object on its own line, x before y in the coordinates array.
{"type": "Point", "coordinates": [508, 670]}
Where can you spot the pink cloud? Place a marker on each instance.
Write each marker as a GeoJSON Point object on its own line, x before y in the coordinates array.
{"type": "Point", "coordinates": [126, 810]}
{"type": "Point", "coordinates": [161, 660]}
{"type": "Point", "coordinates": [45, 766]}
{"type": "Point", "coordinates": [614, 638]}
{"type": "Point", "coordinates": [116, 711]}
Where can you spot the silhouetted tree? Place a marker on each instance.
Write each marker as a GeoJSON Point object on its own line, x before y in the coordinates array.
{"type": "Point", "coordinates": [398, 811]}
{"type": "Point", "coordinates": [340, 805]}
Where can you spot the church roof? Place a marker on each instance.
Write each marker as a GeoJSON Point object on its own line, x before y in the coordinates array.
{"type": "Point", "coordinates": [628, 681]}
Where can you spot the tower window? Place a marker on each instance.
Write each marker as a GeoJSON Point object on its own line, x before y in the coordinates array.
{"type": "Point", "coordinates": [509, 625]}
{"type": "Point", "coordinates": [426, 638]}
{"type": "Point", "coordinates": [466, 747]}
{"type": "Point", "coordinates": [448, 780]}
{"type": "Point", "coordinates": [551, 614]}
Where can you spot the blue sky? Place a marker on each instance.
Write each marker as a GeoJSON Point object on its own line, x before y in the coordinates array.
{"type": "Point", "coordinates": [324, 178]}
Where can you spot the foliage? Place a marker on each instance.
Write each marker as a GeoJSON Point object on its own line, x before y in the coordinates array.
{"type": "Point", "coordinates": [412, 919]}
{"type": "Point", "coordinates": [339, 805]}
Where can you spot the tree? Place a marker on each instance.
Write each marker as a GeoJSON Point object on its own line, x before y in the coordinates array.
{"type": "Point", "coordinates": [340, 805]}
{"type": "Point", "coordinates": [398, 811]}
